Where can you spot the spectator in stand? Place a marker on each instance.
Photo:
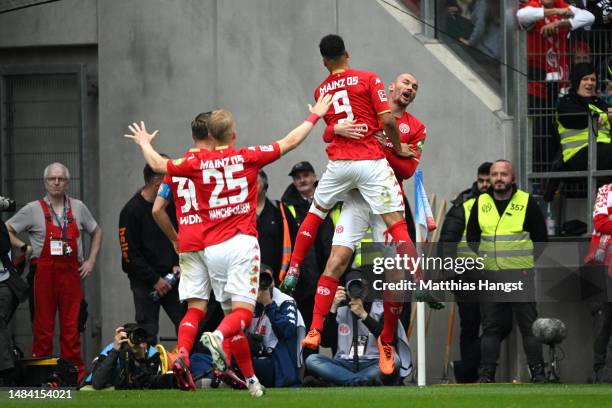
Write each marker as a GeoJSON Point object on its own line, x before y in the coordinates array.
{"type": "Point", "coordinates": [486, 34]}
{"type": "Point", "coordinates": [269, 227]}
{"type": "Point", "coordinates": [548, 23]}
{"type": "Point", "coordinates": [572, 121]}
{"type": "Point", "coordinates": [453, 244]}
{"type": "Point", "coordinates": [600, 255]}
{"type": "Point", "coordinates": [355, 362]}
{"type": "Point", "coordinates": [296, 200]}
{"type": "Point", "coordinates": [275, 335]}
{"type": "Point", "coordinates": [147, 256]}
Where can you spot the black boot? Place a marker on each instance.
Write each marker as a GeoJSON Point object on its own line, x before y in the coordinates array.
{"type": "Point", "coordinates": [538, 374]}
{"type": "Point", "coordinates": [486, 374]}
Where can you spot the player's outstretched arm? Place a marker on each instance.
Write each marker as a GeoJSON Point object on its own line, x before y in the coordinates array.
{"type": "Point", "coordinates": [142, 138]}
{"type": "Point", "coordinates": [297, 135]}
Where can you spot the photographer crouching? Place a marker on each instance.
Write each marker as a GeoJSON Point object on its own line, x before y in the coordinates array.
{"type": "Point", "coordinates": [275, 335]}
{"type": "Point", "coordinates": [351, 328]}
{"type": "Point", "coordinates": [13, 289]}
{"type": "Point", "coordinates": [129, 363]}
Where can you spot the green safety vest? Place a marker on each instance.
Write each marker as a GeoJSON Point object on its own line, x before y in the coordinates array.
{"type": "Point", "coordinates": [573, 140]}
{"type": "Point", "coordinates": [504, 244]}
{"type": "Point", "coordinates": [463, 249]}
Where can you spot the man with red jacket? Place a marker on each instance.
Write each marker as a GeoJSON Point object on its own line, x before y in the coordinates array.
{"type": "Point", "coordinates": [600, 253]}
{"type": "Point", "coordinates": [356, 216]}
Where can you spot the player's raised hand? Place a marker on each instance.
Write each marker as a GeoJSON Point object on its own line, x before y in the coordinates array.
{"type": "Point", "coordinates": [322, 105]}
{"type": "Point", "coordinates": [350, 129]}
{"type": "Point", "coordinates": [139, 134]}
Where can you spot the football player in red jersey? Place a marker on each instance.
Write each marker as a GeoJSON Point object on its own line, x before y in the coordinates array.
{"type": "Point", "coordinates": [188, 239]}
{"type": "Point", "coordinates": [355, 163]}
{"type": "Point", "coordinates": [226, 191]}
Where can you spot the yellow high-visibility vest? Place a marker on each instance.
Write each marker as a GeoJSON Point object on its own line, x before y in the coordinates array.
{"type": "Point", "coordinates": [573, 140]}
{"type": "Point", "coordinates": [503, 243]}
{"type": "Point", "coordinates": [463, 249]}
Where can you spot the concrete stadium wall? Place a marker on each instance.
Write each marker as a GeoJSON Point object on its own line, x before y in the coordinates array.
{"type": "Point", "coordinates": [165, 61]}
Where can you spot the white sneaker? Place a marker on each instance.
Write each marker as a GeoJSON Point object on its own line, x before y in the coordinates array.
{"type": "Point", "coordinates": [212, 343]}
{"type": "Point", "coordinates": [255, 388]}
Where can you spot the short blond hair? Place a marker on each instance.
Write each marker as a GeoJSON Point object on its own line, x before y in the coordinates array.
{"type": "Point", "coordinates": [221, 125]}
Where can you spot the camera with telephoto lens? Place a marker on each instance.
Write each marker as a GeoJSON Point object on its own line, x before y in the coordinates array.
{"type": "Point", "coordinates": [136, 334]}
{"type": "Point", "coordinates": [7, 205]}
{"type": "Point", "coordinates": [355, 287]}
{"type": "Point", "coordinates": [265, 280]}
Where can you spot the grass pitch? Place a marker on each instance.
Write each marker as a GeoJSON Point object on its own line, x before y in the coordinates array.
{"type": "Point", "coordinates": [469, 396]}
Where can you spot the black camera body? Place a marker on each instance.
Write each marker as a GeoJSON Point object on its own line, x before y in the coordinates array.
{"type": "Point", "coordinates": [7, 205]}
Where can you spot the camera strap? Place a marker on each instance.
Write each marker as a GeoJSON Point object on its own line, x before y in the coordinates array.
{"type": "Point", "coordinates": [355, 342]}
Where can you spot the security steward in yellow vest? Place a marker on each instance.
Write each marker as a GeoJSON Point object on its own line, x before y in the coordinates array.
{"type": "Point", "coordinates": [572, 121]}
{"type": "Point", "coordinates": [503, 225]}
{"type": "Point", "coordinates": [453, 243]}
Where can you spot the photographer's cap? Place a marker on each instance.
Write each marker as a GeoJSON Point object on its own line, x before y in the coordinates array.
{"type": "Point", "coordinates": [301, 166]}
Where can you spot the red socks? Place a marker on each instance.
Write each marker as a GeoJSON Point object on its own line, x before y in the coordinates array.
{"type": "Point", "coordinates": [188, 329]}
{"type": "Point", "coordinates": [305, 238]}
{"type": "Point", "coordinates": [238, 320]}
{"type": "Point", "coordinates": [227, 349]}
{"type": "Point", "coordinates": [399, 234]}
{"type": "Point", "coordinates": [392, 311]}
{"type": "Point", "coordinates": [239, 346]}
{"type": "Point", "coordinates": [324, 297]}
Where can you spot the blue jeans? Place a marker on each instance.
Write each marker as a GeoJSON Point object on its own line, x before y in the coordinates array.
{"type": "Point", "coordinates": [338, 371]}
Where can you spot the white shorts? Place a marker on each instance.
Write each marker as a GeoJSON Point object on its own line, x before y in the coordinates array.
{"type": "Point", "coordinates": [231, 268]}
{"type": "Point", "coordinates": [355, 219]}
{"type": "Point", "coordinates": [374, 179]}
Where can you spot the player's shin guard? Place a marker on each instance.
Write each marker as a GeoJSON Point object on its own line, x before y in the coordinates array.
{"type": "Point", "coordinates": [392, 312]}
{"type": "Point", "coordinates": [306, 236]}
{"type": "Point", "coordinates": [188, 329]}
{"type": "Point", "coordinates": [239, 346]}
{"type": "Point", "coordinates": [239, 319]}
{"type": "Point", "coordinates": [324, 297]}
{"type": "Point", "coordinates": [227, 349]}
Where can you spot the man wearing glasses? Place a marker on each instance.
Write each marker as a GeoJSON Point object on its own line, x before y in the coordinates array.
{"type": "Point", "coordinates": [54, 225]}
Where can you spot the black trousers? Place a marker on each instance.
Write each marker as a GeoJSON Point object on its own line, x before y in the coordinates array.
{"type": "Point", "coordinates": [147, 311]}
{"type": "Point", "coordinates": [469, 337]}
{"type": "Point", "coordinates": [7, 307]}
{"type": "Point", "coordinates": [602, 346]}
{"type": "Point", "coordinates": [497, 324]}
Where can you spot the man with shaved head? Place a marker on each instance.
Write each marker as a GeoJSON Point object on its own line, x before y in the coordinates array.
{"type": "Point", "coordinates": [503, 225]}
{"type": "Point", "coordinates": [54, 225]}
{"type": "Point", "coordinates": [357, 221]}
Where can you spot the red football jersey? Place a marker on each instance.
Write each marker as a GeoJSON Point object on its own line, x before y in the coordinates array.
{"type": "Point", "coordinates": [413, 133]}
{"type": "Point", "coordinates": [190, 236]}
{"type": "Point", "coordinates": [356, 95]}
{"type": "Point", "coordinates": [226, 188]}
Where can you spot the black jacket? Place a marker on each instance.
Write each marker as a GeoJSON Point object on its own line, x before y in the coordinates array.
{"type": "Point", "coordinates": [147, 254]}
{"type": "Point", "coordinates": [573, 109]}
{"type": "Point", "coordinates": [314, 262]}
{"type": "Point", "coordinates": [455, 223]}
{"type": "Point", "coordinates": [270, 236]}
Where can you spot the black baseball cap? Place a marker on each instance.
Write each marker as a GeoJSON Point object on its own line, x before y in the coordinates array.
{"type": "Point", "coordinates": [301, 166]}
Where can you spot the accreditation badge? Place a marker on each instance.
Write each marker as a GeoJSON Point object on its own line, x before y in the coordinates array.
{"type": "Point", "coordinates": [57, 247]}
